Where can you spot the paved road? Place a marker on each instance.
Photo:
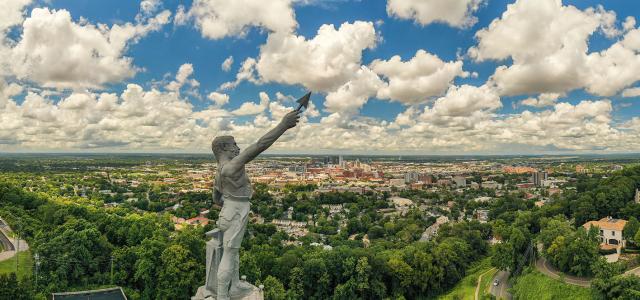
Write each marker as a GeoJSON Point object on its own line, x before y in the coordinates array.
{"type": "Point", "coordinates": [501, 291]}
{"type": "Point", "coordinates": [9, 244]}
{"type": "Point", "coordinates": [546, 268]}
{"type": "Point", "coordinates": [634, 271]}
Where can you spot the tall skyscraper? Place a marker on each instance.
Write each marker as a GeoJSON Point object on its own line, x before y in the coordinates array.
{"type": "Point", "coordinates": [539, 177]}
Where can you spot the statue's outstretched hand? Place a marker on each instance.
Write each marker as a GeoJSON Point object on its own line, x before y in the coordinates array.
{"type": "Point", "coordinates": [291, 119]}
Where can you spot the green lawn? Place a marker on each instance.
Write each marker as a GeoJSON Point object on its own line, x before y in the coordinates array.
{"type": "Point", "coordinates": [466, 288]}
{"type": "Point", "coordinates": [485, 284]}
{"type": "Point", "coordinates": [25, 264]}
{"type": "Point", "coordinates": [535, 285]}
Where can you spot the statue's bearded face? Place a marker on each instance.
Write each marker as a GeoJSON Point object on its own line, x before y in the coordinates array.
{"type": "Point", "coordinates": [231, 148]}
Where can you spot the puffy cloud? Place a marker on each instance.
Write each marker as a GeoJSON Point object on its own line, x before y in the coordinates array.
{"type": "Point", "coordinates": [405, 118]}
{"type": "Point", "coordinates": [462, 108]}
{"type": "Point", "coordinates": [585, 126]}
{"type": "Point", "coordinates": [463, 120]}
{"type": "Point", "coordinates": [226, 64]}
{"type": "Point", "coordinates": [613, 69]}
{"type": "Point", "coordinates": [629, 23]}
{"type": "Point", "coordinates": [182, 16]}
{"type": "Point", "coordinates": [149, 6]}
{"type": "Point", "coordinates": [132, 120]}
{"type": "Point", "coordinates": [220, 18]}
{"type": "Point", "coordinates": [631, 92]}
{"type": "Point", "coordinates": [455, 13]}
{"type": "Point", "coordinates": [547, 28]}
{"type": "Point", "coordinates": [218, 99]}
{"type": "Point", "coordinates": [465, 100]}
{"type": "Point", "coordinates": [284, 98]}
{"type": "Point", "coordinates": [547, 43]}
{"type": "Point", "coordinates": [7, 91]}
{"type": "Point", "coordinates": [329, 62]}
{"type": "Point", "coordinates": [352, 95]}
{"type": "Point", "coordinates": [182, 78]}
{"type": "Point", "coordinates": [414, 81]}
{"type": "Point", "coordinates": [246, 73]}
{"type": "Point", "coordinates": [56, 52]}
{"type": "Point", "coordinates": [11, 13]}
{"type": "Point", "coordinates": [321, 64]}
{"type": "Point", "coordinates": [250, 108]}
{"type": "Point", "coordinates": [547, 99]}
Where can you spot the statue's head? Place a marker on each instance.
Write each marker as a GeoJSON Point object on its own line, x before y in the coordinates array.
{"type": "Point", "coordinates": [225, 146]}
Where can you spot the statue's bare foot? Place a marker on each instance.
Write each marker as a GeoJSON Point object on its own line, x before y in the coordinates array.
{"type": "Point", "coordinates": [241, 289]}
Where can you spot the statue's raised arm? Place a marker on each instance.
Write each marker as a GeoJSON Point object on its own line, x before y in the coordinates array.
{"type": "Point", "coordinates": [235, 164]}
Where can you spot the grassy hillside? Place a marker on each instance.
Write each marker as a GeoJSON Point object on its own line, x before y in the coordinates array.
{"type": "Point", "coordinates": [535, 285]}
{"type": "Point", "coordinates": [465, 289]}
{"type": "Point", "coordinates": [25, 264]}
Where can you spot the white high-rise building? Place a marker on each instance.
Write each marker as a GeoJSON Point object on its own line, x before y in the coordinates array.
{"type": "Point", "coordinates": [411, 177]}
{"type": "Point", "coordinates": [539, 177]}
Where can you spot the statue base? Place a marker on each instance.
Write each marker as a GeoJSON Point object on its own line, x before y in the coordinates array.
{"type": "Point", "coordinates": [256, 294]}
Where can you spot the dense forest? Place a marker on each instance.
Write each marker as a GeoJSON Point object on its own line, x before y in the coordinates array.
{"type": "Point", "coordinates": [78, 243]}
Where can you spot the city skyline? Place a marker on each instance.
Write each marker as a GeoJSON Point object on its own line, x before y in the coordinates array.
{"type": "Point", "coordinates": [395, 77]}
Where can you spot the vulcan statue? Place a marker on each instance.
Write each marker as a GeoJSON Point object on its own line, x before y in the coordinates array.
{"type": "Point", "coordinates": [233, 189]}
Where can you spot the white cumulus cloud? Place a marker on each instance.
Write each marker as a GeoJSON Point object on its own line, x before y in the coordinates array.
{"type": "Point", "coordinates": [221, 18]}
{"type": "Point", "coordinates": [218, 98]}
{"type": "Point", "coordinates": [548, 44]}
{"type": "Point", "coordinates": [227, 63]}
{"type": "Point", "coordinates": [414, 81]}
{"type": "Point", "coordinates": [54, 51]}
{"type": "Point", "coordinates": [183, 77]}
{"type": "Point", "coordinates": [323, 63]}
{"type": "Point", "coordinates": [455, 13]}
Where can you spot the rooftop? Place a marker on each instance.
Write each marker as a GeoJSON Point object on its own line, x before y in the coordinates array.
{"type": "Point", "coordinates": [102, 294]}
{"type": "Point", "coordinates": [608, 223]}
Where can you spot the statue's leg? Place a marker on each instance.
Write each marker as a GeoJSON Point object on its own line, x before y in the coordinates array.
{"type": "Point", "coordinates": [238, 287]}
{"type": "Point", "coordinates": [236, 269]}
{"type": "Point", "coordinates": [226, 272]}
{"type": "Point", "coordinates": [225, 269]}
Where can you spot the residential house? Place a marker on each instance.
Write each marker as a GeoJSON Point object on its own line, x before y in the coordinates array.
{"type": "Point", "coordinates": [610, 231]}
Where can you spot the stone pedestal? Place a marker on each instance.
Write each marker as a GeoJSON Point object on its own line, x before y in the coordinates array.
{"type": "Point", "coordinates": [257, 294]}
{"type": "Point", "coordinates": [214, 255]}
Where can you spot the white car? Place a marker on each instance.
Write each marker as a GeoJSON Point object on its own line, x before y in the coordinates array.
{"type": "Point", "coordinates": [496, 282]}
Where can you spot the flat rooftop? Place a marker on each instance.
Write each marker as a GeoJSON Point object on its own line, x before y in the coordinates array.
{"type": "Point", "coordinates": [102, 294]}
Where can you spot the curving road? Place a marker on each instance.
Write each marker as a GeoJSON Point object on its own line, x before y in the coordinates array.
{"type": "Point", "coordinates": [9, 244]}
{"type": "Point", "coordinates": [501, 291]}
{"type": "Point", "coordinates": [546, 268]}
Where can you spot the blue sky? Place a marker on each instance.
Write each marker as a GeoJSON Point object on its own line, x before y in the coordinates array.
{"type": "Point", "coordinates": [437, 120]}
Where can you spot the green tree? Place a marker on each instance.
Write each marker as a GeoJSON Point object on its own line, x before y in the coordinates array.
{"type": "Point", "coordinates": [363, 269]}
{"type": "Point", "coordinates": [621, 287]}
{"type": "Point", "coordinates": [178, 277]}
{"type": "Point", "coordinates": [148, 265]}
{"type": "Point", "coordinates": [296, 285]}
{"type": "Point", "coordinates": [630, 229]}
{"type": "Point", "coordinates": [10, 288]}
{"type": "Point", "coordinates": [274, 289]}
